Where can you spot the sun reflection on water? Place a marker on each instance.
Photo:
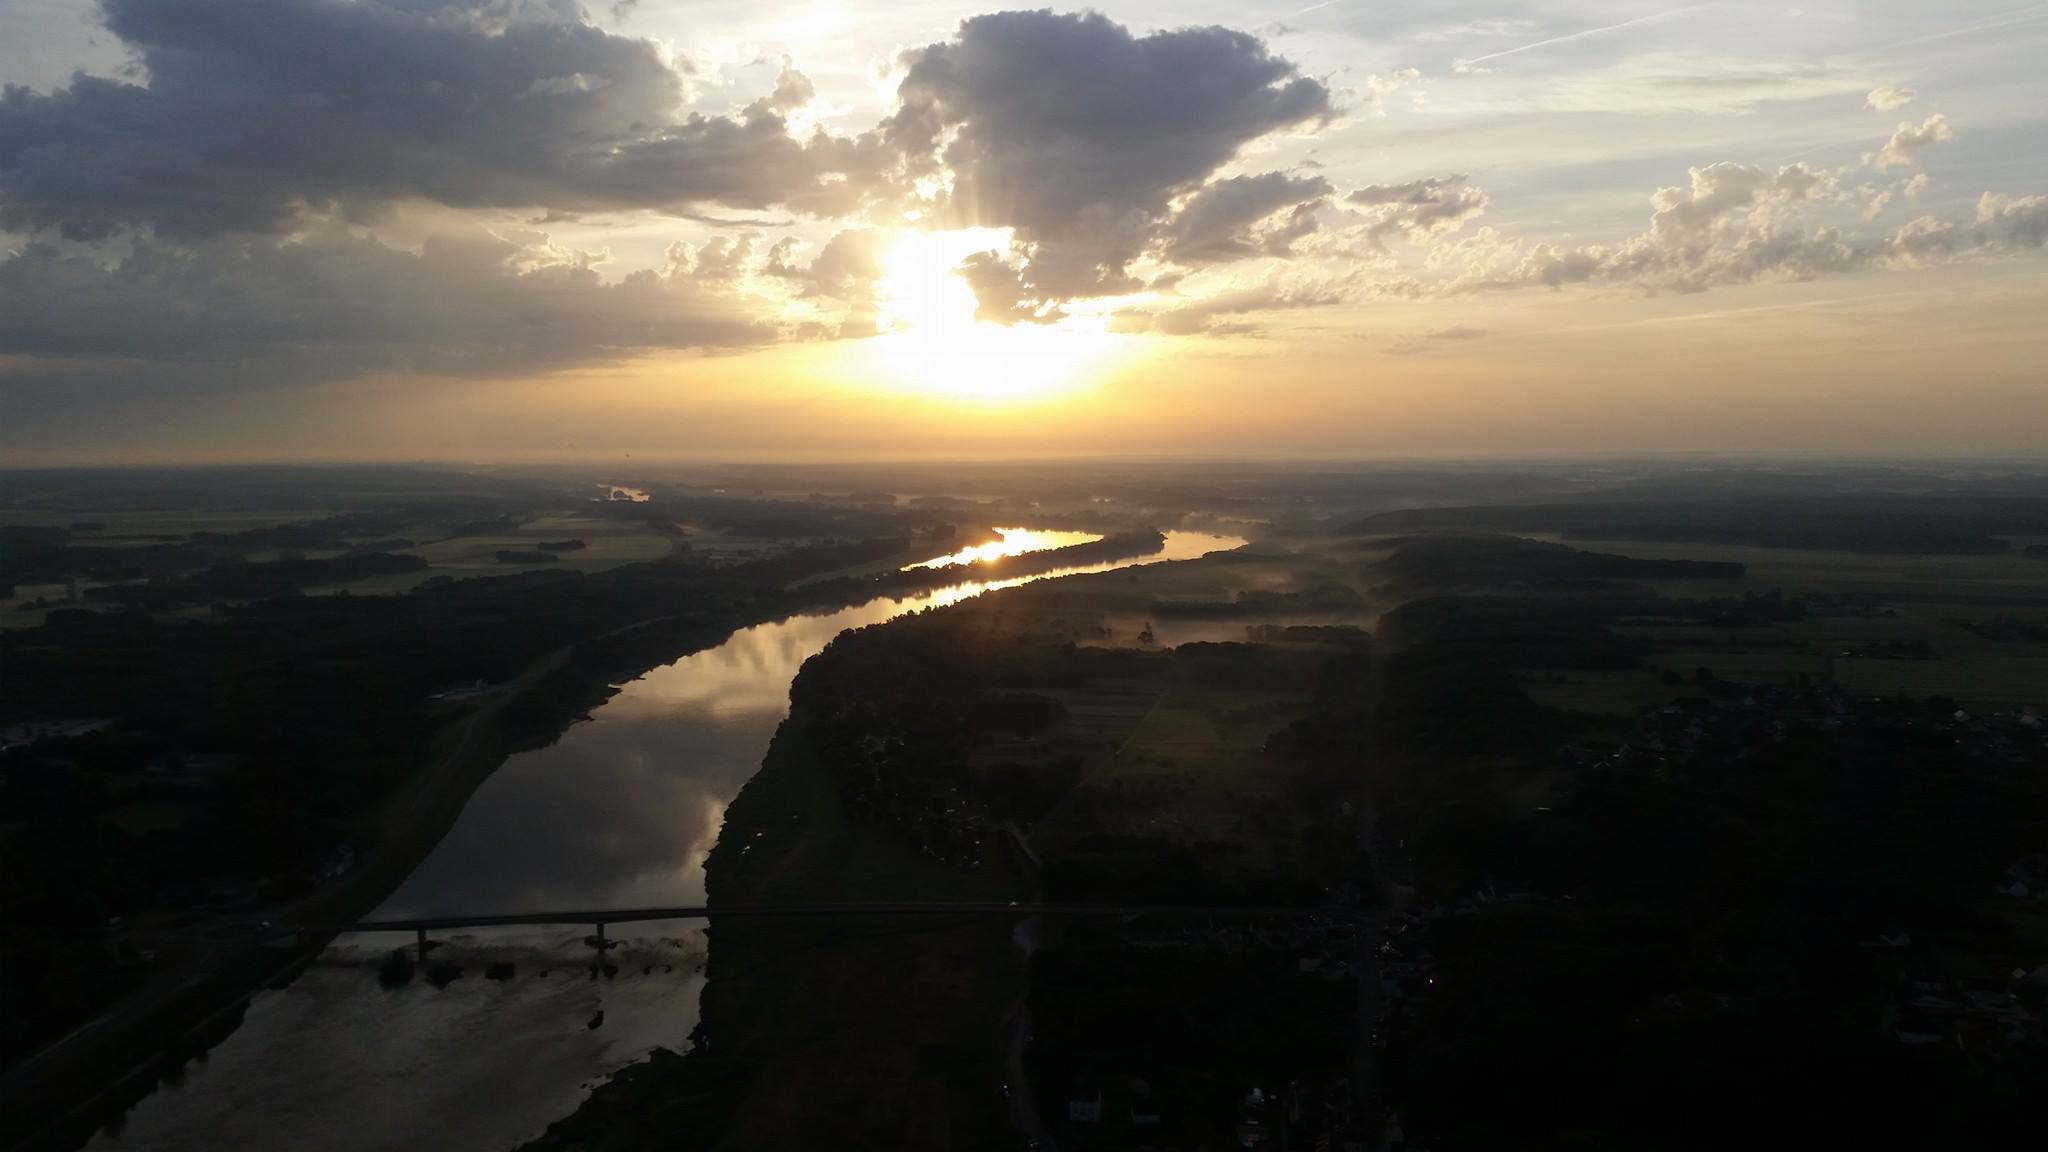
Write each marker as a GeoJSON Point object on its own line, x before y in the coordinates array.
{"type": "Point", "coordinates": [1014, 542]}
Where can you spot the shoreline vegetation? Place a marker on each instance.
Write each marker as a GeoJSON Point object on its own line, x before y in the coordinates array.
{"type": "Point", "coordinates": [914, 1007]}
{"type": "Point", "coordinates": [58, 1095]}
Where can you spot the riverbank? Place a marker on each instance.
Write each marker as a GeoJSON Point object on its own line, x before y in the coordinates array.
{"type": "Point", "coordinates": [207, 972]}
{"type": "Point", "coordinates": [197, 995]}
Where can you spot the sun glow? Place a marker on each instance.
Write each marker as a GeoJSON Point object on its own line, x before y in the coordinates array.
{"type": "Point", "coordinates": [929, 341]}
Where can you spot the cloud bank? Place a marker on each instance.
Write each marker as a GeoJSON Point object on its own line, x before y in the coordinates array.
{"type": "Point", "coordinates": [232, 200]}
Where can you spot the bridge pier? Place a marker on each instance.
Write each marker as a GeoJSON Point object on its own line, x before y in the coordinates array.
{"type": "Point", "coordinates": [603, 964]}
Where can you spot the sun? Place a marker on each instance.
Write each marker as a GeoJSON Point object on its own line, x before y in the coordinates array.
{"type": "Point", "coordinates": [928, 340]}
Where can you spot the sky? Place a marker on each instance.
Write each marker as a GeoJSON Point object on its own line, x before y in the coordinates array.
{"type": "Point", "coordinates": [504, 230]}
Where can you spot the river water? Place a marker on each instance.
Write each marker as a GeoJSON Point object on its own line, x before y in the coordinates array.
{"type": "Point", "coordinates": [620, 812]}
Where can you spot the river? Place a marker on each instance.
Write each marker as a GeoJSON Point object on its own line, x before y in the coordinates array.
{"type": "Point", "coordinates": [621, 811]}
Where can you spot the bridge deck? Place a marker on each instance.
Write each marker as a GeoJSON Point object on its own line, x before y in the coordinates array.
{"type": "Point", "coordinates": [706, 912]}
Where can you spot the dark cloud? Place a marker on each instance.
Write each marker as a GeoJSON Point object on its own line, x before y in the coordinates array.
{"type": "Point", "coordinates": [1080, 135]}
{"type": "Point", "coordinates": [213, 205]}
{"type": "Point", "coordinates": [335, 304]}
{"type": "Point", "coordinates": [252, 110]}
{"type": "Point", "coordinates": [1000, 296]}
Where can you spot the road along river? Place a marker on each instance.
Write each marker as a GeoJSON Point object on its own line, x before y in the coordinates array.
{"type": "Point", "coordinates": [620, 812]}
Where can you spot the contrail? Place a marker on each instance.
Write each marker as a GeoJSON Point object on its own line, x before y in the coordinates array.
{"type": "Point", "coordinates": [1312, 8]}
{"type": "Point", "coordinates": [1657, 18]}
{"type": "Point", "coordinates": [1991, 24]}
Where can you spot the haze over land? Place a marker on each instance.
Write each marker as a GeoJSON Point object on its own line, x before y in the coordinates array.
{"type": "Point", "coordinates": [525, 229]}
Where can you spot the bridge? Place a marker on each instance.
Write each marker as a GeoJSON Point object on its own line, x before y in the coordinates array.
{"type": "Point", "coordinates": [600, 918]}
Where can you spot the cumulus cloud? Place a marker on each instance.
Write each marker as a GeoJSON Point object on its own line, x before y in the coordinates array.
{"type": "Point", "coordinates": [2003, 225]}
{"type": "Point", "coordinates": [1244, 216]}
{"type": "Point", "coordinates": [1081, 136]}
{"type": "Point", "coordinates": [1889, 97]}
{"type": "Point", "coordinates": [1377, 86]}
{"type": "Point", "coordinates": [719, 260]}
{"type": "Point", "coordinates": [1399, 78]}
{"type": "Point", "coordinates": [2012, 223]}
{"type": "Point", "coordinates": [1909, 141]}
{"type": "Point", "coordinates": [1000, 294]}
{"type": "Point", "coordinates": [1734, 225]}
{"type": "Point", "coordinates": [1723, 229]}
{"type": "Point", "coordinates": [336, 303]}
{"type": "Point", "coordinates": [1420, 210]}
{"type": "Point", "coordinates": [252, 110]}
{"type": "Point", "coordinates": [1914, 187]}
{"type": "Point", "coordinates": [845, 269]}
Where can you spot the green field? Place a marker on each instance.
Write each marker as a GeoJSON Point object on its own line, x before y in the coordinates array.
{"type": "Point", "coordinates": [149, 526]}
{"type": "Point", "coordinates": [607, 544]}
{"type": "Point", "coordinates": [1191, 768]}
{"type": "Point", "coordinates": [1982, 681]}
{"type": "Point", "coordinates": [1916, 600]}
{"type": "Point", "coordinates": [2009, 577]}
{"type": "Point", "coordinates": [1621, 692]}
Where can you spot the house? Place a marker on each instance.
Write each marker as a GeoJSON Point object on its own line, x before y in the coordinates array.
{"type": "Point", "coordinates": [1252, 1130]}
{"type": "Point", "coordinates": [1084, 1103]}
{"type": "Point", "coordinates": [1144, 1110]}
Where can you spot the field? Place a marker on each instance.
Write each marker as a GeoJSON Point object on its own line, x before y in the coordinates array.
{"type": "Point", "coordinates": [153, 525]}
{"type": "Point", "coordinates": [1192, 770]}
{"type": "Point", "coordinates": [2004, 578]}
{"type": "Point", "coordinates": [1620, 692]}
{"type": "Point", "coordinates": [18, 611]}
{"type": "Point", "coordinates": [1172, 752]}
{"type": "Point", "coordinates": [1900, 629]}
{"type": "Point", "coordinates": [1982, 681]}
{"type": "Point", "coordinates": [607, 544]}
